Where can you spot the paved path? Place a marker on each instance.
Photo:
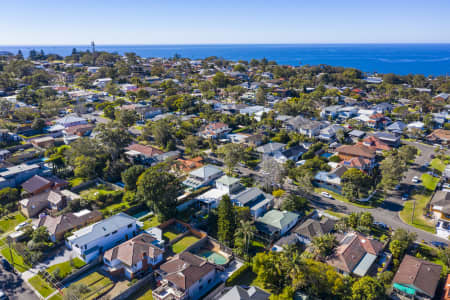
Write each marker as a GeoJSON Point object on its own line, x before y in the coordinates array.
{"type": "Point", "coordinates": [15, 287]}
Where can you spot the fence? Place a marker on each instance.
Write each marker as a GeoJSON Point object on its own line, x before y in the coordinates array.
{"type": "Point", "coordinates": [144, 282]}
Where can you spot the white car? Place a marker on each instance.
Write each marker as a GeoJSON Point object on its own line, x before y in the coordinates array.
{"type": "Point", "coordinates": [325, 194]}
{"type": "Point", "coordinates": [415, 179]}
{"type": "Point", "coordinates": [20, 226]}
{"type": "Point", "coordinates": [3, 295]}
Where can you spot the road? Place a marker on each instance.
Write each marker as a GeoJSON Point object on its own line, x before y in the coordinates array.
{"type": "Point", "coordinates": [14, 286]}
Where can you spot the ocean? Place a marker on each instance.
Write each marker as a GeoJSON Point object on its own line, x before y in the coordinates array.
{"type": "Point", "coordinates": [426, 59]}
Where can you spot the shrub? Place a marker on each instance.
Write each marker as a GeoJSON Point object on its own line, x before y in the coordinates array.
{"type": "Point", "coordinates": [231, 280]}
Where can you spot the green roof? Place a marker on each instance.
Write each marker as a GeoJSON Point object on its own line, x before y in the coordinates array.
{"type": "Point", "coordinates": [278, 219]}
{"type": "Point", "coordinates": [405, 289]}
{"type": "Point", "coordinates": [227, 180]}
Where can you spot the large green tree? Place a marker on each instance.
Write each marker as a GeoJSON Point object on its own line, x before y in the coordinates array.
{"type": "Point", "coordinates": [226, 223]}
{"type": "Point", "coordinates": [368, 288]}
{"type": "Point", "coordinates": [355, 184]}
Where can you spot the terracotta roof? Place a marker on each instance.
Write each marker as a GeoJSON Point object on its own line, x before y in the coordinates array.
{"type": "Point", "coordinates": [186, 269]}
{"type": "Point", "coordinates": [351, 250]}
{"type": "Point", "coordinates": [215, 126]}
{"type": "Point", "coordinates": [357, 162]}
{"type": "Point", "coordinates": [356, 150]}
{"type": "Point", "coordinates": [79, 129]}
{"type": "Point", "coordinates": [68, 221]}
{"type": "Point", "coordinates": [148, 151]}
{"type": "Point", "coordinates": [35, 183]}
{"type": "Point", "coordinates": [133, 251]}
{"type": "Point", "coordinates": [441, 134]}
{"type": "Point", "coordinates": [375, 143]}
{"type": "Point", "coordinates": [188, 165]}
{"type": "Point", "coordinates": [421, 274]}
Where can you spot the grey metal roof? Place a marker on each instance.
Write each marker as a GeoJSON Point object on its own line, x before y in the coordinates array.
{"type": "Point", "coordinates": [239, 293]}
{"type": "Point", "coordinates": [248, 195]}
{"type": "Point", "coordinates": [270, 147]}
{"type": "Point", "coordinates": [100, 229]}
{"type": "Point", "coordinates": [206, 171]}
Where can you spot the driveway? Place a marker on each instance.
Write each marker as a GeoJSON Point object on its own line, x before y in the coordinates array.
{"type": "Point", "coordinates": [14, 286]}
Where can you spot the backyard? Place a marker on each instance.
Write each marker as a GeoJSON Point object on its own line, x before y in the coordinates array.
{"type": "Point", "coordinates": [182, 244]}
{"type": "Point", "coordinates": [97, 284]}
{"type": "Point", "coordinates": [150, 221]}
{"type": "Point", "coordinates": [10, 221]}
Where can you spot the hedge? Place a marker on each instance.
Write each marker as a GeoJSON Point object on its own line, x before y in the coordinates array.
{"type": "Point", "coordinates": [236, 274]}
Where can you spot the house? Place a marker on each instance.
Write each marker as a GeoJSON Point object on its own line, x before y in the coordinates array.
{"type": "Point", "coordinates": [101, 82]}
{"type": "Point", "coordinates": [396, 128]}
{"type": "Point", "coordinates": [143, 111]}
{"type": "Point", "coordinates": [4, 154]}
{"type": "Point", "coordinates": [203, 176]}
{"type": "Point", "coordinates": [440, 209]}
{"type": "Point", "coordinates": [58, 226]}
{"type": "Point", "coordinates": [376, 144]}
{"type": "Point", "coordinates": [248, 293]}
{"type": "Point", "coordinates": [237, 138]}
{"type": "Point", "coordinates": [16, 175]}
{"type": "Point", "coordinates": [225, 185]}
{"type": "Point", "coordinates": [270, 149]}
{"type": "Point", "coordinates": [312, 228]}
{"type": "Point", "coordinates": [293, 153]}
{"type": "Point", "coordinates": [363, 164]}
{"type": "Point", "coordinates": [276, 223]}
{"type": "Point", "coordinates": [390, 139]}
{"type": "Point", "coordinates": [187, 276]}
{"type": "Point", "coordinates": [355, 254]}
{"type": "Point", "coordinates": [33, 205]}
{"type": "Point", "coordinates": [443, 97]}
{"type": "Point", "coordinates": [70, 120]}
{"type": "Point", "coordinates": [215, 130]}
{"type": "Point", "coordinates": [255, 199]}
{"type": "Point", "coordinates": [79, 130]}
{"type": "Point", "coordinates": [383, 107]}
{"type": "Point", "coordinates": [133, 257]}
{"type": "Point", "coordinates": [417, 278]}
{"type": "Point", "coordinates": [331, 180]}
{"type": "Point", "coordinates": [347, 152]}
{"type": "Point", "coordinates": [187, 165]}
{"type": "Point", "coordinates": [329, 133]}
{"type": "Point", "coordinates": [330, 112]}
{"type": "Point", "coordinates": [254, 140]}
{"type": "Point", "coordinates": [416, 125]}
{"type": "Point", "coordinates": [446, 291]}
{"type": "Point", "coordinates": [38, 184]}
{"type": "Point", "coordinates": [305, 126]}
{"type": "Point", "coordinates": [43, 142]}
{"type": "Point", "coordinates": [138, 153]}
{"type": "Point", "coordinates": [89, 242]}
{"type": "Point", "coordinates": [356, 135]}
{"type": "Point", "coordinates": [441, 136]}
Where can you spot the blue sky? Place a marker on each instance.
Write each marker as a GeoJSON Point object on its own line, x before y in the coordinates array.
{"type": "Point", "coordinates": [45, 22]}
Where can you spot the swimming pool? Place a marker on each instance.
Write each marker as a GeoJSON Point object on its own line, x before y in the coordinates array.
{"type": "Point", "coordinates": [217, 258]}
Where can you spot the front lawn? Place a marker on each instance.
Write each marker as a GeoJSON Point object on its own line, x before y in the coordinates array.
{"type": "Point", "coordinates": [418, 221]}
{"type": "Point", "coordinates": [438, 165]}
{"type": "Point", "coordinates": [429, 182]}
{"type": "Point", "coordinates": [248, 278]}
{"type": "Point", "coordinates": [343, 199]}
{"type": "Point", "coordinates": [41, 286]}
{"type": "Point", "coordinates": [97, 284]}
{"type": "Point", "coordinates": [7, 223]}
{"type": "Point", "coordinates": [66, 268]}
{"type": "Point", "coordinates": [19, 264]}
{"type": "Point", "coordinates": [182, 244]}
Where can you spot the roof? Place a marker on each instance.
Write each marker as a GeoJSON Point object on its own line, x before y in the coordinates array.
{"type": "Point", "coordinates": [50, 196]}
{"type": "Point", "coordinates": [12, 171]}
{"type": "Point", "coordinates": [440, 134]}
{"type": "Point", "coordinates": [206, 171]}
{"type": "Point", "coordinates": [357, 133]}
{"type": "Point", "coordinates": [421, 274]}
{"type": "Point", "coordinates": [99, 229]}
{"type": "Point", "coordinates": [148, 151]}
{"type": "Point", "coordinates": [356, 150]}
{"type": "Point", "coordinates": [185, 269]}
{"type": "Point", "coordinates": [35, 183]}
{"type": "Point", "coordinates": [132, 251]}
{"type": "Point", "coordinates": [441, 198]}
{"type": "Point", "coordinates": [270, 147]}
{"type": "Point", "coordinates": [312, 227]}
{"type": "Point", "coordinates": [239, 293]}
{"type": "Point", "coordinates": [69, 221]}
{"type": "Point", "coordinates": [227, 180]}
{"type": "Point", "coordinates": [351, 251]}
{"type": "Point", "coordinates": [249, 195]}
{"type": "Point", "coordinates": [69, 119]}
{"type": "Point", "coordinates": [279, 219]}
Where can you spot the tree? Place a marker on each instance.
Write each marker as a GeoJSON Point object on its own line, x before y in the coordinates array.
{"type": "Point", "coordinates": [324, 245]}
{"type": "Point", "coordinates": [131, 175]}
{"type": "Point", "coordinates": [226, 223]}
{"type": "Point", "coordinates": [40, 235]}
{"type": "Point", "coordinates": [231, 154]}
{"type": "Point", "coordinates": [392, 169]}
{"type": "Point", "coordinates": [38, 124]}
{"type": "Point", "coordinates": [75, 291]}
{"type": "Point", "coordinates": [159, 190]}
{"type": "Point", "coordinates": [260, 96]}
{"type": "Point", "coordinates": [219, 80]}
{"type": "Point", "coordinates": [367, 288]}
{"type": "Point", "coordinates": [161, 132]}
{"type": "Point", "coordinates": [294, 203]}
{"type": "Point", "coordinates": [407, 153]}
{"type": "Point", "coordinates": [191, 143]}
{"type": "Point", "coordinates": [245, 232]}
{"type": "Point", "coordinates": [85, 167]}
{"type": "Point", "coordinates": [126, 117]}
{"type": "Point", "coordinates": [354, 184]}
{"type": "Point", "coordinates": [114, 139]}
{"type": "Point", "coordinates": [400, 242]}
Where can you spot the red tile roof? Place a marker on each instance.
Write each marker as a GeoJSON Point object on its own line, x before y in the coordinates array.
{"type": "Point", "coordinates": [148, 151]}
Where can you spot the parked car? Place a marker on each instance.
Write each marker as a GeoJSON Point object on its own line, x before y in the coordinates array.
{"type": "Point", "coordinates": [6, 265]}
{"type": "Point", "coordinates": [439, 244]}
{"type": "Point", "coordinates": [325, 194]}
{"type": "Point", "coordinates": [405, 197]}
{"type": "Point", "coordinates": [20, 226]}
{"type": "Point", "coordinates": [381, 224]}
{"type": "Point", "coordinates": [427, 164]}
{"type": "Point", "coordinates": [415, 179]}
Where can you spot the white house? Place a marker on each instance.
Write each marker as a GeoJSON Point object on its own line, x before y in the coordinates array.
{"type": "Point", "coordinates": [89, 242]}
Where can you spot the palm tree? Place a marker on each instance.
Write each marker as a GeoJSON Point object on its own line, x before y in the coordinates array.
{"type": "Point", "coordinates": [246, 231]}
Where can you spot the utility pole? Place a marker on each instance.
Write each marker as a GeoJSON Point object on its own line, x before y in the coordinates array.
{"type": "Point", "coordinates": [10, 252]}
{"type": "Point", "coordinates": [414, 209]}
{"type": "Point", "coordinates": [93, 52]}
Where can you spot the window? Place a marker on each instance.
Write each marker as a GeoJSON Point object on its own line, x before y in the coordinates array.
{"type": "Point", "coordinates": [107, 235]}
{"type": "Point", "coordinates": [209, 280]}
{"type": "Point", "coordinates": [129, 225]}
{"type": "Point", "coordinates": [114, 232]}
{"type": "Point", "coordinates": [200, 287]}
